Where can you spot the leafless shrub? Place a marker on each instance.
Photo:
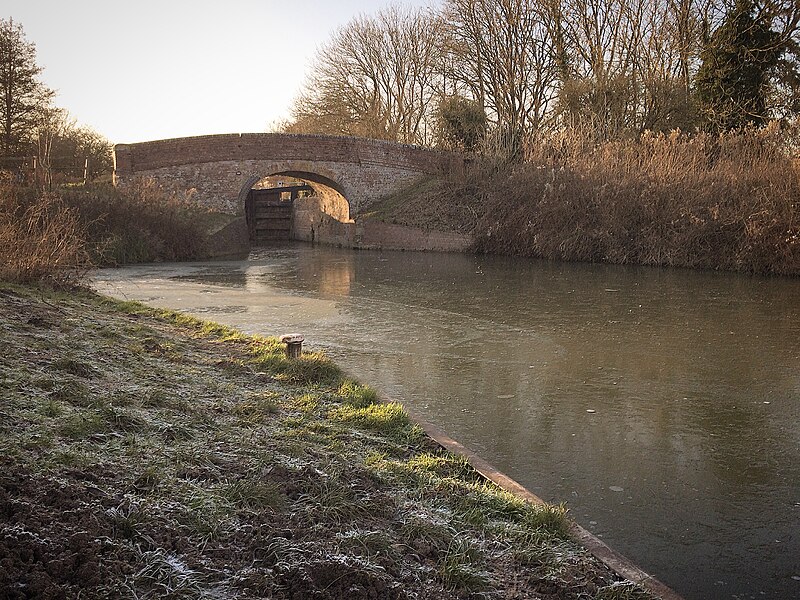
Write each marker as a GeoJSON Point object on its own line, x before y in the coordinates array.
{"type": "Point", "coordinates": [720, 202]}
{"type": "Point", "coordinates": [140, 223]}
{"type": "Point", "coordinates": [41, 239]}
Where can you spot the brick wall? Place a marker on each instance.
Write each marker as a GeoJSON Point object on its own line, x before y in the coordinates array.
{"type": "Point", "coordinates": [311, 223]}
{"type": "Point", "coordinates": [220, 168]}
{"type": "Point", "coordinates": [385, 236]}
{"type": "Point", "coordinates": [146, 156]}
{"type": "Point", "coordinates": [348, 175]}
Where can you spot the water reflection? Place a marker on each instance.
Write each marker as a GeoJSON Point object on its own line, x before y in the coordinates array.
{"type": "Point", "coordinates": [689, 459]}
{"type": "Point", "coordinates": [331, 280]}
{"type": "Point", "coordinates": [220, 276]}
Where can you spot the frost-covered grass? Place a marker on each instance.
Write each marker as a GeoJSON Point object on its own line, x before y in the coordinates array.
{"type": "Point", "coordinates": [174, 457]}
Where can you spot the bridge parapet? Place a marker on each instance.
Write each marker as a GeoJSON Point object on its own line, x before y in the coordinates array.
{"type": "Point", "coordinates": [217, 167]}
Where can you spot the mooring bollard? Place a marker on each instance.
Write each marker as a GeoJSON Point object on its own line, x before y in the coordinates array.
{"type": "Point", "coordinates": [294, 344]}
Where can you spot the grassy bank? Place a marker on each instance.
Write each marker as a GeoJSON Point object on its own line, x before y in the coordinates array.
{"type": "Point", "coordinates": [145, 454]}
{"type": "Point", "coordinates": [728, 202]}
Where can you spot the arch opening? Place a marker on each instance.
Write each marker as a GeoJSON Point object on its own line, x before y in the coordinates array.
{"type": "Point", "coordinates": [296, 205]}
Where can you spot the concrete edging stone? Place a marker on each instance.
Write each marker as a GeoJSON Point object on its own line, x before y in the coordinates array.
{"type": "Point", "coordinates": [605, 554]}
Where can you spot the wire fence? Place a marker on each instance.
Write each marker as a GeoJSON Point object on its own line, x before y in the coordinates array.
{"type": "Point", "coordinates": [29, 170]}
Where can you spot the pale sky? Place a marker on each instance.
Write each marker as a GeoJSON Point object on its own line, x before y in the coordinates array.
{"type": "Point", "coordinates": [151, 69]}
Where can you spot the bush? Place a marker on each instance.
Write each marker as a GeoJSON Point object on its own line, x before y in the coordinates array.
{"type": "Point", "coordinates": [140, 223]}
{"type": "Point", "coordinates": [719, 202]}
{"type": "Point", "coordinates": [41, 239]}
{"type": "Point", "coordinates": [57, 237]}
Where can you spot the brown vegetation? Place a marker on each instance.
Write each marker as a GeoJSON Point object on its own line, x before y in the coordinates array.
{"type": "Point", "coordinates": [56, 237]}
{"type": "Point", "coordinates": [730, 202]}
{"type": "Point", "coordinates": [140, 223]}
{"type": "Point", "coordinates": [41, 238]}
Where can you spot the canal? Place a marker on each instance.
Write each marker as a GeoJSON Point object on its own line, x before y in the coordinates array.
{"type": "Point", "coordinates": [661, 405]}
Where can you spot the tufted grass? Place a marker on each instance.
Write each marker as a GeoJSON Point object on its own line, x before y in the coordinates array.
{"type": "Point", "coordinates": [208, 464]}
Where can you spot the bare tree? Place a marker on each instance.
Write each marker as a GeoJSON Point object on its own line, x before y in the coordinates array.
{"type": "Point", "coordinates": [665, 64]}
{"type": "Point", "coordinates": [375, 78]}
{"type": "Point", "coordinates": [505, 56]}
{"type": "Point", "coordinates": [84, 145]}
{"type": "Point", "coordinates": [627, 65]}
{"type": "Point", "coordinates": [50, 126]}
{"type": "Point", "coordinates": [603, 39]}
{"type": "Point", "coordinates": [612, 67]}
{"type": "Point", "coordinates": [784, 16]}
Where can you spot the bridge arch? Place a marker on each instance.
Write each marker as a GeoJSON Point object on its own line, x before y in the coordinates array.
{"type": "Point", "coordinates": [217, 167]}
{"type": "Point", "coordinates": [284, 202]}
{"type": "Point", "coordinates": [324, 183]}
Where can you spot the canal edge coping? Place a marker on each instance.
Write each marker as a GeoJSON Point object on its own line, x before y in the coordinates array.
{"type": "Point", "coordinates": [603, 552]}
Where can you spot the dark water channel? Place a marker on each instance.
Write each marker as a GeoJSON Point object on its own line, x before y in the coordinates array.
{"type": "Point", "coordinates": [663, 406]}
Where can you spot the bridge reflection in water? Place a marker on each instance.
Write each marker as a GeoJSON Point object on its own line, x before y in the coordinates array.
{"type": "Point", "coordinates": [689, 462]}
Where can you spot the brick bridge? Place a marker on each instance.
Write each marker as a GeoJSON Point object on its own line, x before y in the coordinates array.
{"type": "Point", "coordinates": [223, 168]}
{"type": "Point", "coordinates": [347, 175]}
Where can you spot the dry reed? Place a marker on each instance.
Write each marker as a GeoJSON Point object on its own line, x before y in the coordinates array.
{"type": "Point", "coordinates": [140, 223]}
{"type": "Point", "coordinates": [41, 239]}
{"type": "Point", "coordinates": [56, 238]}
{"type": "Point", "coordinates": [730, 202]}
